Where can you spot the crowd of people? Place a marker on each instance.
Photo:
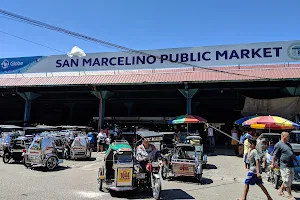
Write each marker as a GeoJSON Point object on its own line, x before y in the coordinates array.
{"type": "Point", "coordinates": [279, 155]}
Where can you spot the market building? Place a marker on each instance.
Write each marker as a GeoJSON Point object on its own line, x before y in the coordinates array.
{"type": "Point", "coordinates": [218, 83]}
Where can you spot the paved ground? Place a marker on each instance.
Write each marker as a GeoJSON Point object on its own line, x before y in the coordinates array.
{"type": "Point", "coordinates": [77, 180]}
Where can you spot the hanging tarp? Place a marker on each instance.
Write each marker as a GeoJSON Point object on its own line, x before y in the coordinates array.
{"type": "Point", "coordinates": [287, 107]}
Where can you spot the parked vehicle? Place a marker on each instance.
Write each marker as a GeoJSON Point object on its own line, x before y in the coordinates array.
{"type": "Point", "coordinates": [186, 161]}
{"type": "Point", "coordinates": [295, 141]}
{"type": "Point", "coordinates": [6, 141]}
{"type": "Point", "coordinates": [42, 153]}
{"type": "Point", "coordinates": [17, 149]}
{"type": "Point", "coordinates": [78, 148]}
{"type": "Point", "coordinates": [117, 174]}
{"type": "Point", "coordinates": [198, 143]}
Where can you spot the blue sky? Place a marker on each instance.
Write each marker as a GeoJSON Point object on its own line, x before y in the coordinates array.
{"type": "Point", "coordinates": [144, 25]}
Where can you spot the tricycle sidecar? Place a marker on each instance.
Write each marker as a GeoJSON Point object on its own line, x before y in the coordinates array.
{"type": "Point", "coordinates": [118, 172]}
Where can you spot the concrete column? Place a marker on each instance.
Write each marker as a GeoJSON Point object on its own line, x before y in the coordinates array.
{"type": "Point", "coordinates": [102, 96]}
{"type": "Point", "coordinates": [188, 94]}
{"type": "Point", "coordinates": [28, 97]}
{"type": "Point", "coordinates": [129, 106]}
{"type": "Point", "coordinates": [71, 111]}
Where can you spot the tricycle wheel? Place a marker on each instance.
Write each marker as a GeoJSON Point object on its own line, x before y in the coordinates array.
{"type": "Point", "coordinates": [100, 181]}
{"type": "Point", "coordinates": [199, 178]}
{"type": "Point", "coordinates": [6, 158]}
{"type": "Point", "coordinates": [51, 163]}
{"type": "Point", "coordinates": [163, 172]}
{"type": "Point", "coordinates": [156, 190]}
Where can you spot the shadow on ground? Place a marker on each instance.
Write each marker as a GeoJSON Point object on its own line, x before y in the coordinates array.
{"type": "Point", "coordinates": [221, 151]}
{"type": "Point", "coordinates": [191, 180]}
{"type": "Point", "coordinates": [211, 166]}
{"type": "Point", "coordinates": [58, 168]}
{"type": "Point", "coordinates": [165, 195]}
{"type": "Point", "coordinates": [85, 159]}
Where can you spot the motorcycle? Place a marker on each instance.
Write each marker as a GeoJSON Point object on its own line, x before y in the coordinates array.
{"type": "Point", "coordinates": [152, 179]}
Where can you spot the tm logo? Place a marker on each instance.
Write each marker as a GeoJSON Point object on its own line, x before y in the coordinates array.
{"type": "Point", "coordinates": [5, 64]}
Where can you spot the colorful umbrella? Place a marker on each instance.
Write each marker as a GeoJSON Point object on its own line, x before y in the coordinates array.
{"type": "Point", "coordinates": [187, 119]}
{"type": "Point", "coordinates": [271, 122]}
{"type": "Point", "coordinates": [242, 120]}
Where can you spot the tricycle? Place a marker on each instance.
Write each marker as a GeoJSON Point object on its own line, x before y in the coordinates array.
{"type": "Point", "coordinates": [186, 160]}
{"type": "Point", "coordinates": [17, 149]}
{"type": "Point", "coordinates": [78, 148]}
{"type": "Point", "coordinates": [148, 163]}
{"type": "Point", "coordinates": [42, 153]}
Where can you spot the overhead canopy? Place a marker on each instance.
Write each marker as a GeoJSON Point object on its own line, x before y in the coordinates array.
{"type": "Point", "coordinates": [148, 134]}
{"type": "Point", "coordinates": [10, 127]}
{"type": "Point", "coordinates": [45, 127]}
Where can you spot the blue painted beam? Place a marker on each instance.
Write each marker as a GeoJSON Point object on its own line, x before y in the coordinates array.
{"type": "Point", "coordinates": [102, 96]}
{"type": "Point", "coordinates": [28, 97]}
{"type": "Point", "coordinates": [188, 94]}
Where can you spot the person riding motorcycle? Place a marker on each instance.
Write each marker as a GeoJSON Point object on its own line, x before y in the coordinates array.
{"type": "Point", "coordinates": [147, 152]}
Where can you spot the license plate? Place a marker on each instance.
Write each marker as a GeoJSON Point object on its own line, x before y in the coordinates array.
{"type": "Point", "coordinates": [140, 176]}
{"type": "Point", "coordinates": [102, 177]}
{"type": "Point", "coordinates": [184, 168]}
{"type": "Point", "coordinates": [124, 175]}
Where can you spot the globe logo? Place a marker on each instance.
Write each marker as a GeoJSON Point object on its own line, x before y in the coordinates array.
{"type": "Point", "coordinates": [294, 51]}
{"type": "Point", "coordinates": [5, 64]}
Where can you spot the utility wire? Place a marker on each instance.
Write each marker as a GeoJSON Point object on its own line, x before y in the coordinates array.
{"type": "Point", "coordinates": [31, 41]}
{"type": "Point", "coordinates": [23, 19]}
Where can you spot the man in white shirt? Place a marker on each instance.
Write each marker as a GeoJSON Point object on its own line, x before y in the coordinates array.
{"type": "Point", "coordinates": [211, 138]}
{"type": "Point", "coordinates": [101, 140]}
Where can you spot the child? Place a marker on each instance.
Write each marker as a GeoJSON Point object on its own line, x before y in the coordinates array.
{"type": "Point", "coordinates": [254, 174]}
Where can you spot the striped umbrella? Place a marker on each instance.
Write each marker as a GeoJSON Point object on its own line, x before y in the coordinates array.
{"type": "Point", "coordinates": [271, 122]}
{"type": "Point", "coordinates": [242, 120]}
{"type": "Point", "coordinates": [187, 119]}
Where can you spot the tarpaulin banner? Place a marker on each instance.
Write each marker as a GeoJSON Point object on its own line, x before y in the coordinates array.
{"type": "Point", "coordinates": [208, 56]}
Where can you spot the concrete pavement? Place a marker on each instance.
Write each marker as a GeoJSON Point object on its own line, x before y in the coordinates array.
{"type": "Point", "coordinates": [77, 180]}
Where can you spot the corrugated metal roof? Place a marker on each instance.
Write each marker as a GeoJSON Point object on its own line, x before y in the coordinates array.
{"type": "Point", "coordinates": [154, 76]}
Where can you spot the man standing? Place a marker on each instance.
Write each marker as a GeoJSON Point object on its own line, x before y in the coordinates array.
{"type": "Point", "coordinates": [101, 141]}
{"type": "Point", "coordinates": [211, 139]}
{"type": "Point", "coordinates": [283, 151]}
